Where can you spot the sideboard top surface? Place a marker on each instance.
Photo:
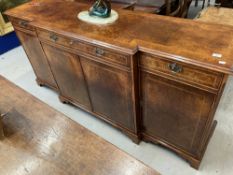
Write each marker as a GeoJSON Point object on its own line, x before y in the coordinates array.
{"type": "Point", "coordinates": [185, 40]}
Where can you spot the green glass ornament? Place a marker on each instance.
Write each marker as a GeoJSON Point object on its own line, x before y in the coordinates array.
{"type": "Point", "coordinates": [101, 8]}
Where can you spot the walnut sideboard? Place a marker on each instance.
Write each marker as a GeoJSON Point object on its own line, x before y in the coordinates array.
{"type": "Point", "coordinates": [156, 78]}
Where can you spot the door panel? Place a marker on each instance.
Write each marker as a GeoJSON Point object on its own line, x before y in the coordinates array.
{"type": "Point", "coordinates": [174, 112]}
{"type": "Point", "coordinates": [37, 58]}
{"type": "Point", "coordinates": [68, 74]}
{"type": "Point", "coordinates": [110, 92]}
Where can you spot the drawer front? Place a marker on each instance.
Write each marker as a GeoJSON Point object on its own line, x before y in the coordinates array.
{"type": "Point", "coordinates": [186, 73]}
{"type": "Point", "coordinates": [21, 23]}
{"type": "Point", "coordinates": [98, 52]}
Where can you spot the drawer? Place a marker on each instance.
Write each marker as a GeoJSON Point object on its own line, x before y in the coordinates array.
{"type": "Point", "coordinates": [179, 71]}
{"type": "Point", "coordinates": [99, 52]}
{"type": "Point", "coordinates": [21, 23]}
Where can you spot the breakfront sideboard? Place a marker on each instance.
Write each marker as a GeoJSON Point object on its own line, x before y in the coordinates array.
{"type": "Point", "coordinates": [156, 78]}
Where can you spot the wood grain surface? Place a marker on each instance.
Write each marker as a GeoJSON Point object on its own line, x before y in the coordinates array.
{"type": "Point", "coordinates": [190, 41]}
{"type": "Point", "coordinates": [217, 15]}
{"type": "Point", "coordinates": [39, 140]}
{"type": "Point", "coordinates": [155, 78]}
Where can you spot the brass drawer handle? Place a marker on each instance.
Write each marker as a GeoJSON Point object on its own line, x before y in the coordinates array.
{"type": "Point", "coordinates": [53, 37]}
{"type": "Point", "coordinates": [23, 23]}
{"type": "Point", "coordinates": [175, 68]}
{"type": "Point", "coordinates": [99, 52]}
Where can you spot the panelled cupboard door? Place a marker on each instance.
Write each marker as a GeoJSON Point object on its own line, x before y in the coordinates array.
{"type": "Point", "coordinates": [37, 58]}
{"type": "Point", "coordinates": [174, 112]}
{"type": "Point", "coordinates": [68, 74]}
{"type": "Point", "coordinates": [110, 92]}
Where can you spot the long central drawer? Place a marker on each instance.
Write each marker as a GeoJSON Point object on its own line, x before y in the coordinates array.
{"type": "Point", "coordinates": [99, 52]}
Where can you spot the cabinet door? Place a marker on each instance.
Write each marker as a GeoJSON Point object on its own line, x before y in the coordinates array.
{"type": "Point", "coordinates": [174, 112]}
{"type": "Point", "coordinates": [68, 74]}
{"type": "Point", "coordinates": [110, 92]}
{"type": "Point", "coordinates": [37, 58]}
